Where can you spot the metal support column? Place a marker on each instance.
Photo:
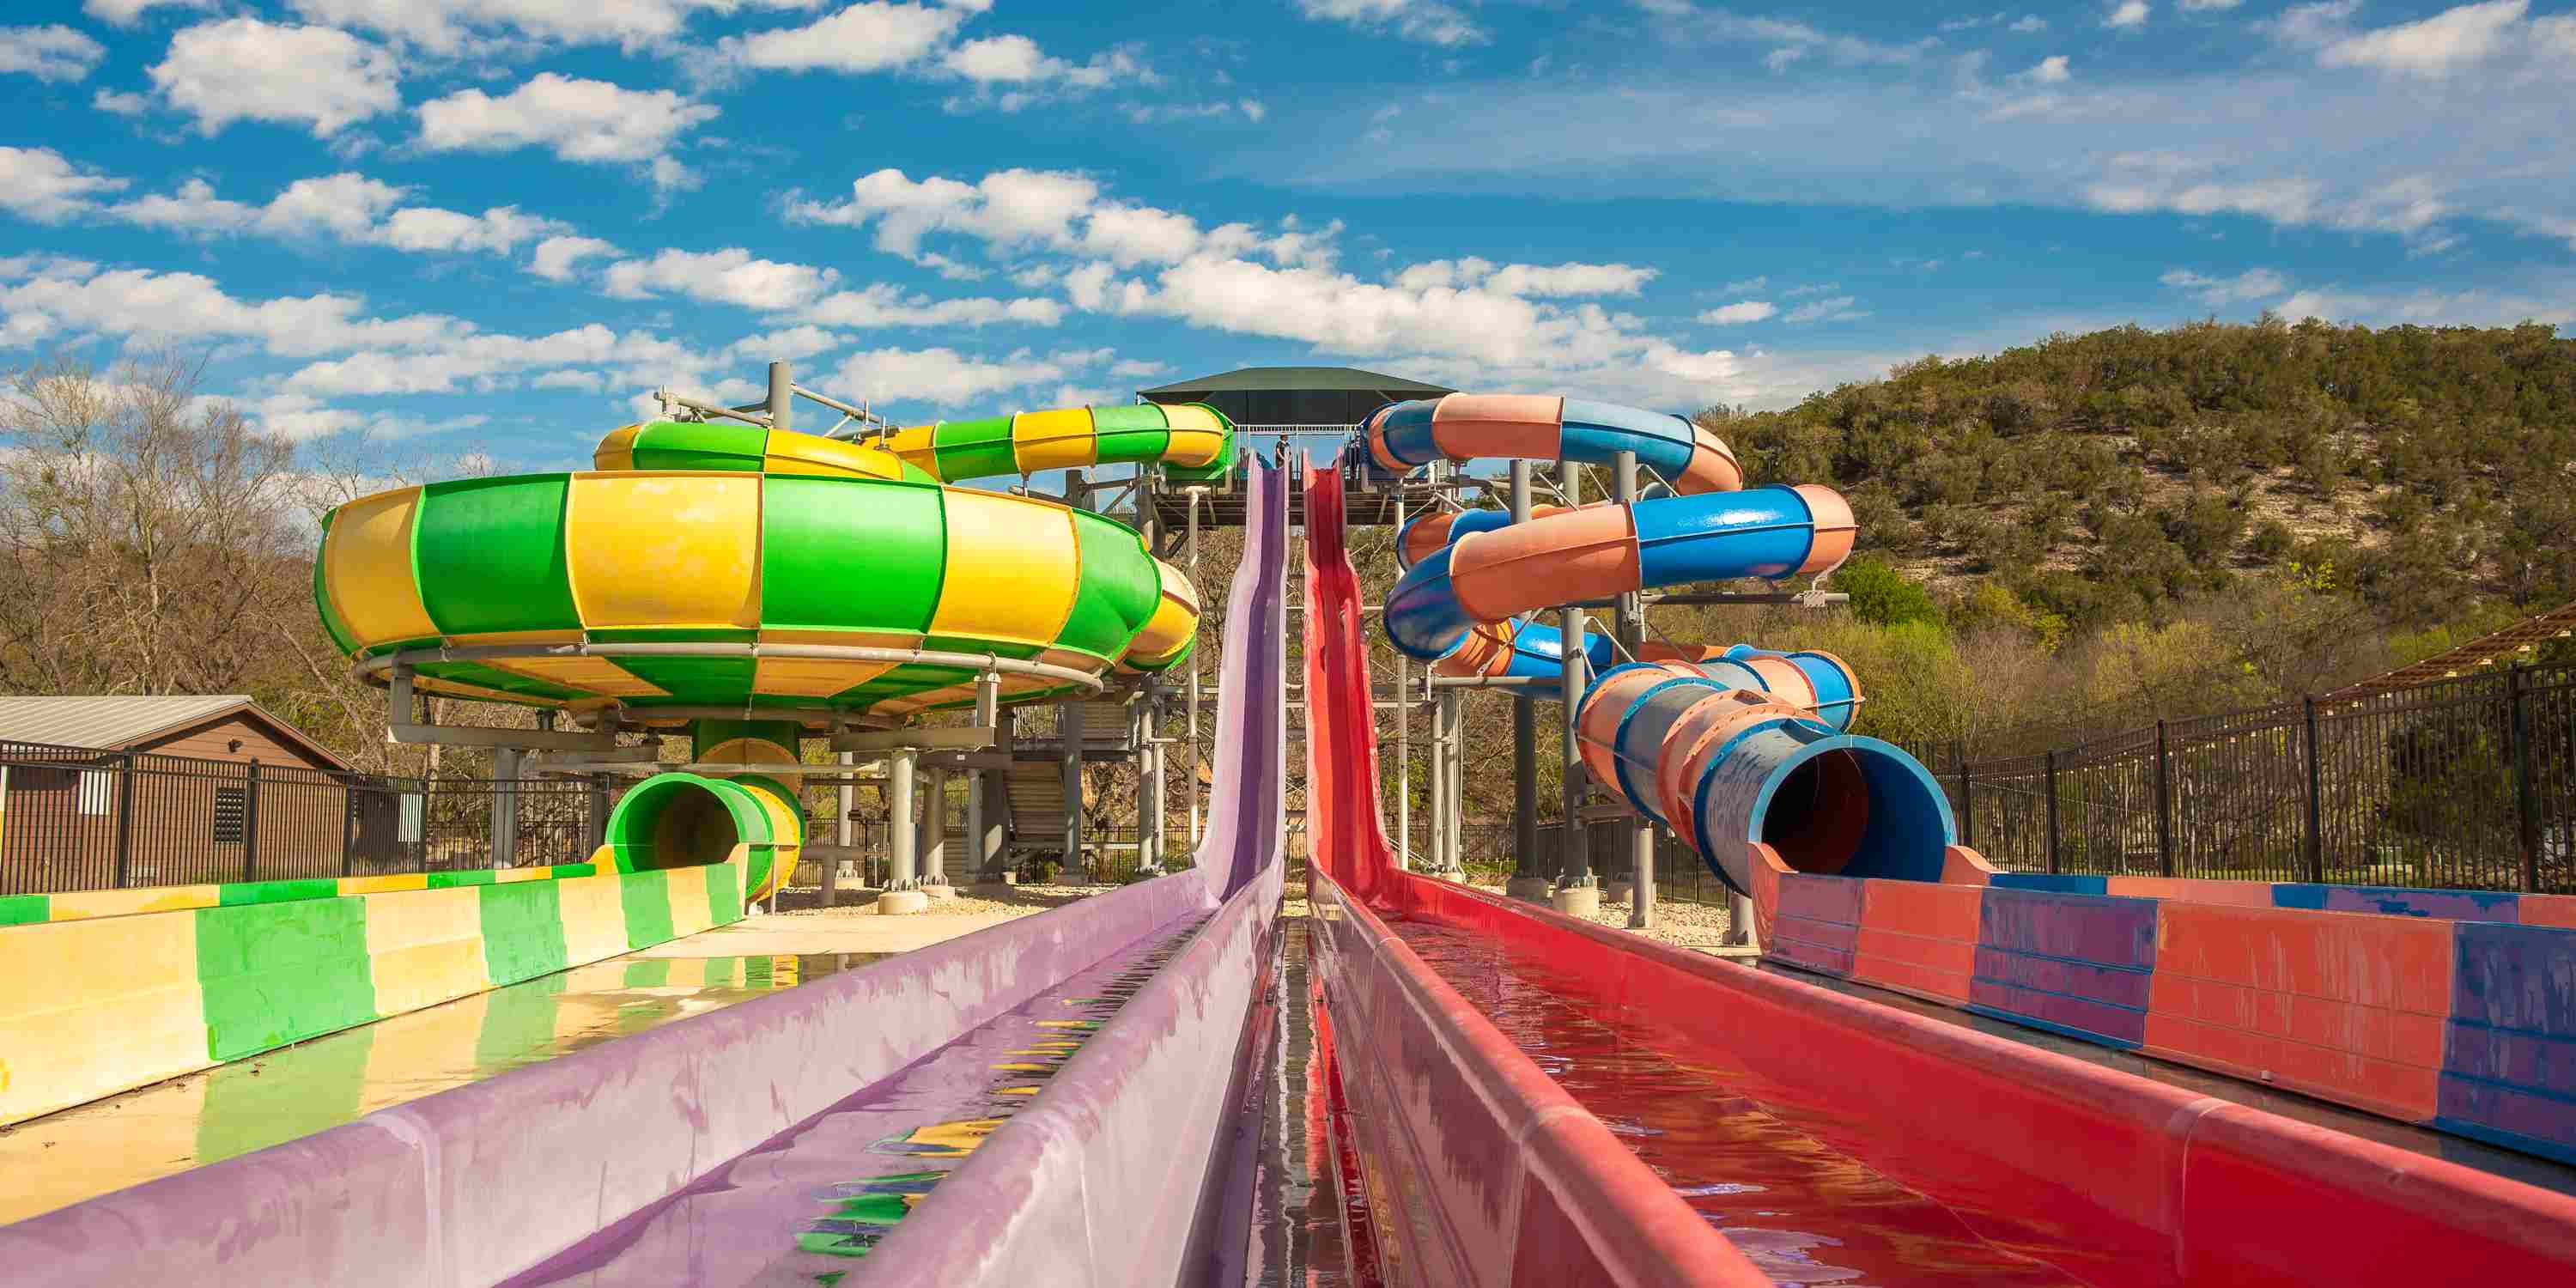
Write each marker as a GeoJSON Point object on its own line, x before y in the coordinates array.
{"type": "Point", "coordinates": [980, 852]}
{"type": "Point", "coordinates": [1632, 636]}
{"type": "Point", "coordinates": [844, 800]}
{"type": "Point", "coordinates": [782, 396]}
{"type": "Point", "coordinates": [1077, 492]}
{"type": "Point", "coordinates": [900, 871]}
{"type": "Point", "coordinates": [1196, 495]}
{"type": "Point", "coordinates": [934, 831]}
{"type": "Point", "coordinates": [1403, 730]}
{"type": "Point", "coordinates": [505, 807]}
{"type": "Point", "coordinates": [1438, 859]}
{"type": "Point", "coordinates": [1574, 885]}
{"type": "Point", "coordinates": [1149, 784]}
{"type": "Point", "coordinates": [1455, 865]}
{"type": "Point", "coordinates": [1529, 881]}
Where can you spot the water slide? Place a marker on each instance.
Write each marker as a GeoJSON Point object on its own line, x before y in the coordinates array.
{"type": "Point", "coordinates": [981, 1111]}
{"type": "Point", "coordinates": [1773, 1130]}
{"type": "Point", "coordinates": [702, 575]}
{"type": "Point", "coordinates": [1472, 577]}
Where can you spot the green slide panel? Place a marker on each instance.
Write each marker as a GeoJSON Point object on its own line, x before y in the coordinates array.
{"type": "Point", "coordinates": [510, 532]}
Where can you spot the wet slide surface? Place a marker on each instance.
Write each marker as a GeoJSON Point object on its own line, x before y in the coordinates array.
{"type": "Point", "coordinates": [1731, 1144]}
{"type": "Point", "coordinates": [809, 1203]}
{"type": "Point", "coordinates": [296, 1091]}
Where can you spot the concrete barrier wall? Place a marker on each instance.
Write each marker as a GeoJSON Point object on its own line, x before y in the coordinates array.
{"type": "Point", "coordinates": [2445, 1008]}
{"type": "Point", "coordinates": [91, 1005]}
{"type": "Point", "coordinates": [2145, 1173]}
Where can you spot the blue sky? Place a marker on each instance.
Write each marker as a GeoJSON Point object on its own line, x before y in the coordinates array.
{"type": "Point", "coordinates": [496, 225]}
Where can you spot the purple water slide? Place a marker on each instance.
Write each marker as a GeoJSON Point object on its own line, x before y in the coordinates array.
{"type": "Point", "coordinates": [1121, 1173]}
{"type": "Point", "coordinates": [474, 1185]}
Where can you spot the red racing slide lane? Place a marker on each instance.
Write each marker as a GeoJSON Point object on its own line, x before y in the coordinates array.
{"type": "Point", "coordinates": [1482, 1170]}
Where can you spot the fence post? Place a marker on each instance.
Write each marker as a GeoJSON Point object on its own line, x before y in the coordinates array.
{"type": "Point", "coordinates": [2526, 798]}
{"type": "Point", "coordinates": [125, 782]}
{"type": "Point", "coordinates": [2052, 809]}
{"type": "Point", "coordinates": [2164, 802]}
{"type": "Point", "coordinates": [2316, 791]}
{"type": "Point", "coordinates": [1967, 794]}
{"type": "Point", "coordinates": [349, 825]}
{"type": "Point", "coordinates": [250, 824]}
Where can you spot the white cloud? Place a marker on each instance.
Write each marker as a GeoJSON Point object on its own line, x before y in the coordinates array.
{"type": "Point", "coordinates": [1740, 312]}
{"type": "Point", "coordinates": [884, 305]}
{"type": "Point", "coordinates": [2049, 71]}
{"type": "Point", "coordinates": [868, 37]}
{"type": "Point", "coordinates": [1009, 59]}
{"type": "Point", "coordinates": [1568, 280]}
{"type": "Point", "coordinates": [1837, 309]}
{"type": "Point", "coordinates": [1811, 288]}
{"type": "Point", "coordinates": [730, 276]}
{"type": "Point", "coordinates": [1745, 287]}
{"type": "Point", "coordinates": [2430, 307]}
{"type": "Point", "coordinates": [576, 119]}
{"type": "Point", "coordinates": [40, 184]}
{"type": "Point", "coordinates": [555, 257]}
{"type": "Point", "coordinates": [2028, 23]}
{"type": "Point", "coordinates": [120, 103]}
{"type": "Point", "coordinates": [500, 229]}
{"type": "Point", "coordinates": [2127, 15]}
{"type": "Point", "coordinates": [125, 13]}
{"type": "Point", "coordinates": [244, 69]}
{"type": "Point", "coordinates": [1430, 22]}
{"type": "Point", "coordinates": [1137, 369]}
{"type": "Point", "coordinates": [940, 376]}
{"type": "Point", "coordinates": [2252, 284]}
{"type": "Point", "coordinates": [479, 26]}
{"type": "Point", "coordinates": [2435, 46]}
{"type": "Point", "coordinates": [1018, 210]}
{"type": "Point", "coordinates": [349, 206]}
{"type": "Point", "coordinates": [49, 53]}
{"type": "Point", "coordinates": [190, 306]}
{"type": "Point", "coordinates": [2205, 6]}
{"type": "Point", "coordinates": [793, 344]}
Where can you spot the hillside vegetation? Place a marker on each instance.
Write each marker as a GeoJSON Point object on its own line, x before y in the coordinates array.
{"type": "Point", "coordinates": [2098, 530]}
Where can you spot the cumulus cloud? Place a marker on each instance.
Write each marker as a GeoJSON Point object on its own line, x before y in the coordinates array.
{"type": "Point", "coordinates": [730, 276]}
{"type": "Point", "coordinates": [348, 206]}
{"type": "Point", "coordinates": [574, 118]}
{"type": "Point", "coordinates": [2049, 71]}
{"type": "Point", "coordinates": [2252, 284]}
{"type": "Point", "coordinates": [48, 53]}
{"type": "Point", "coordinates": [1429, 22]}
{"type": "Point", "coordinates": [40, 184]}
{"type": "Point", "coordinates": [556, 257]}
{"type": "Point", "coordinates": [1738, 313]}
{"type": "Point", "coordinates": [884, 305]}
{"type": "Point", "coordinates": [869, 37]}
{"type": "Point", "coordinates": [2433, 47]}
{"type": "Point", "coordinates": [2127, 15]}
{"type": "Point", "coordinates": [125, 13]}
{"type": "Point", "coordinates": [475, 26]}
{"type": "Point", "coordinates": [1017, 210]}
{"type": "Point", "coordinates": [242, 69]}
{"type": "Point", "coordinates": [942, 376]}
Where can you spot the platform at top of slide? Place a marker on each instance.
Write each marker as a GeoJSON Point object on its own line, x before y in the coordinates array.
{"type": "Point", "coordinates": [717, 565]}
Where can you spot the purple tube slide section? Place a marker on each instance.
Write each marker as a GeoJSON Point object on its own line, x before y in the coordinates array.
{"type": "Point", "coordinates": [1102, 1181]}
{"type": "Point", "coordinates": [475, 1184]}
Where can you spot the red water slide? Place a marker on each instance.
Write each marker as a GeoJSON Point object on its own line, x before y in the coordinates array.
{"type": "Point", "coordinates": [1479, 1168]}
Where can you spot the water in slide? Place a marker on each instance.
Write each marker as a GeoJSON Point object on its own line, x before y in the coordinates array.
{"type": "Point", "coordinates": [859, 1129]}
{"type": "Point", "coordinates": [1795, 1134]}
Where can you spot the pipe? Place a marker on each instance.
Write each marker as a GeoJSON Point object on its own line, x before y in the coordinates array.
{"type": "Point", "coordinates": [1407, 435]}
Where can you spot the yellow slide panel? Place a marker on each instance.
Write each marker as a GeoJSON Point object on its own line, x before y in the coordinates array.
{"type": "Point", "coordinates": [794, 453]}
{"type": "Point", "coordinates": [665, 550]}
{"type": "Point", "coordinates": [594, 916]}
{"type": "Point", "coordinates": [1175, 619]}
{"type": "Point", "coordinates": [129, 1013]}
{"type": "Point", "coordinates": [1054, 440]}
{"type": "Point", "coordinates": [366, 565]}
{"type": "Point", "coordinates": [617, 450]}
{"type": "Point", "coordinates": [915, 445]}
{"type": "Point", "coordinates": [1196, 434]}
{"type": "Point", "coordinates": [79, 904]}
{"type": "Point", "coordinates": [589, 674]}
{"type": "Point", "coordinates": [1012, 568]}
{"type": "Point", "coordinates": [425, 947]}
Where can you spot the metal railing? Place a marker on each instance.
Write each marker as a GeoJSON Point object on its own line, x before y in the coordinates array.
{"type": "Point", "coordinates": [2466, 783]}
{"type": "Point", "coordinates": [75, 818]}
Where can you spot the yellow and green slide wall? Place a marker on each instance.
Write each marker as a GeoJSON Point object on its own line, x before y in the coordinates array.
{"type": "Point", "coordinates": [132, 999]}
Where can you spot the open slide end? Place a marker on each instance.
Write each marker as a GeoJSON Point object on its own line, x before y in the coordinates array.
{"type": "Point", "coordinates": [1831, 804]}
{"type": "Point", "coordinates": [680, 820]}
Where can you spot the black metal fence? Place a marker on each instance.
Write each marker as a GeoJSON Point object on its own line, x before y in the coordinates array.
{"type": "Point", "coordinates": [2465, 783]}
{"type": "Point", "coordinates": [75, 818]}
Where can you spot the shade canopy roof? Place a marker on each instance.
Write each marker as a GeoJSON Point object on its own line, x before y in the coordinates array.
{"type": "Point", "coordinates": [1295, 395]}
